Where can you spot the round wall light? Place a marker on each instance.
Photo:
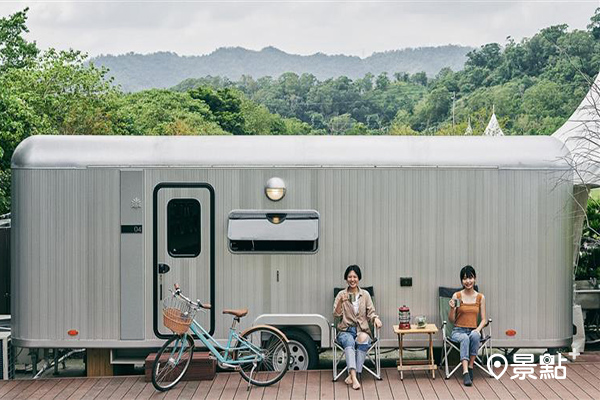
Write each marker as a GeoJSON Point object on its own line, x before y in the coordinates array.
{"type": "Point", "coordinates": [275, 189]}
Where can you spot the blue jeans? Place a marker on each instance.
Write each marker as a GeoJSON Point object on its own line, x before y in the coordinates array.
{"type": "Point", "coordinates": [354, 359]}
{"type": "Point", "coordinates": [469, 341]}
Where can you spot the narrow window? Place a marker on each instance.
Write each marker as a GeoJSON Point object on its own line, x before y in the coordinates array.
{"type": "Point", "coordinates": [255, 231]}
{"type": "Point", "coordinates": [183, 227]}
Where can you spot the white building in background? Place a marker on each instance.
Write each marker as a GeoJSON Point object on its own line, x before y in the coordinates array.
{"type": "Point", "coordinates": [469, 130]}
{"type": "Point", "coordinates": [493, 127]}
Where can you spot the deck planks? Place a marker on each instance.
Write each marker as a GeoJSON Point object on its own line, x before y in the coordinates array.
{"type": "Point", "coordinates": [230, 389]}
{"type": "Point", "coordinates": [203, 389]}
{"type": "Point", "coordinates": [313, 385]}
{"type": "Point", "coordinates": [96, 389]}
{"type": "Point", "coordinates": [424, 382]}
{"type": "Point", "coordinates": [384, 391]}
{"type": "Point", "coordinates": [327, 392]}
{"type": "Point", "coordinates": [286, 385]}
{"type": "Point", "coordinates": [111, 387]}
{"type": "Point", "coordinates": [299, 388]}
{"type": "Point", "coordinates": [57, 389]}
{"type": "Point", "coordinates": [12, 391]}
{"type": "Point", "coordinates": [582, 382]}
{"type": "Point", "coordinates": [455, 388]}
{"type": "Point", "coordinates": [136, 389]}
{"type": "Point", "coordinates": [480, 381]}
{"type": "Point", "coordinates": [123, 388]}
{"type": "Point", "coordinates": [70, 388]}
{"type": "Point", "coordinates": [396, 387]}
{"type": "Point", "coordinates": [368, 389]}
{"type": "Point", "coordinates": [83, 388]}
{"type": "Point", "coordinates": [576, 375]}
{"type": "Point", "coordinates": [513, 387]}
{"type": "Point", "coordinates": [36, 387]}
{"type": "Point", "coordinates": [269, 392]}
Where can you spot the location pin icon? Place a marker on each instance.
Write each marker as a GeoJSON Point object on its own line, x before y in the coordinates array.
{"type": "Point", "coordinates": [497, 361]}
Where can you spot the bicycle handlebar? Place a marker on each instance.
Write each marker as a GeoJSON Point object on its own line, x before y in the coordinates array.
{"type": "Point", "coordinates": [193, 303]}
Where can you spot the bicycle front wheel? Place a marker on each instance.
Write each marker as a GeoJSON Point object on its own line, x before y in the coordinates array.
{"type": "Point", "coordinates": [172, 361]}
{"type": "Point", "coordinates": [268, 362]}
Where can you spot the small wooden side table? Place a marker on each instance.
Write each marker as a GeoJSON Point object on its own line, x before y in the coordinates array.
{"type": "Point", "coordinates": [421, 365]}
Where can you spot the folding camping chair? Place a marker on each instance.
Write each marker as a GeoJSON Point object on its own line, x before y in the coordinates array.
{"type": "Point", "coordinates": [373, 354]}
{"type": "Point", "coordinates": [445, 294]}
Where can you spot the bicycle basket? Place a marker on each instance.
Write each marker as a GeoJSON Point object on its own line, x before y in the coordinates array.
{"type": "Point", "coordinates": [177, 314]}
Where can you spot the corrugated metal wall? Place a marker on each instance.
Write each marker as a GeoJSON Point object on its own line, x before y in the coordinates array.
{"type": "Point", "coordinates": [425, 223]}
{"type": "Point", "coordinates": [66, 254]}
{"type": "Point", "coordinates": [512, 225]}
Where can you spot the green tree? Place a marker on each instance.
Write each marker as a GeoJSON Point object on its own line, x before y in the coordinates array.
{"type": "Point", "coordinates": [15, 51]}
{"type": "Point", "coordinates": [225, 105]}
{"type": "Point", "coordinates": [317, 120]}
{"type": "Point", "coordinates": [419, 78]}
{"type": "Point", "coordinates": [382, 82]}
{"type": "Point", "coordinates": [546, 99]}
{"type": "Point", "coordinates": [487, 56]}
{"type": "Point", "coordinates": [341, 124]}
{"type": "Point", "coordinates": [54, 94]}
{"type": "Point", "coordinates": [401, 76]}
{"type": "Point", "coordinates": [433, 109]}
{"type": "Point", "coordinates": [400, 125]}
{"type": "Point", "coordinates": [594, 26]}
{"type": "Point", "coordinates": [163, 112]}
{"type": "Point", "coordinates": [365, 84]}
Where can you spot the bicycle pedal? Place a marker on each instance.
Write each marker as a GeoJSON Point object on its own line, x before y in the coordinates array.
{"type": "Point", "coordinates": [229, 366]}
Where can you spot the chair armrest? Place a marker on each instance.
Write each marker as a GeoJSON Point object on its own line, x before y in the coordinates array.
{"type": "Point", "coordinates": [443, 329]}
{"type": "Point", "coordinates": [333, 334]}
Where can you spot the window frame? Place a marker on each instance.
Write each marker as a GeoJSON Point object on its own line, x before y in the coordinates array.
{"type": "Point", "coordinates": [199, 247]}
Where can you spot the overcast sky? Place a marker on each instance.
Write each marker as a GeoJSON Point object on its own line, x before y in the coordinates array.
{"type": "Point", "coordinates": [300, 27]}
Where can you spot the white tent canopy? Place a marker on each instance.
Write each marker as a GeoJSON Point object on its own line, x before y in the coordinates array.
{"type": "Point", "coordinates": [493, 128]}
{"type": "Point", "coordinates": [581, 135]}
{"type": "Point", "coordinates": [469, 130]}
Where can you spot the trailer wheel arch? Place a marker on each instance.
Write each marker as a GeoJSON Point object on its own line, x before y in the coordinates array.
{"type": "Point", "coordinates": [302, 328]}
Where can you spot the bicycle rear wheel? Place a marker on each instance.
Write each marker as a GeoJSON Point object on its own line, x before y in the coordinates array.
{"type": "Point", "coordinates": [172, 361]}
{"type": "Point", "coordinates": [274, 359]}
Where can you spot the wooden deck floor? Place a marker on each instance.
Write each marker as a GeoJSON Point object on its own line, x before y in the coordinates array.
{"type": "Point", "coordinates": [582, 382]}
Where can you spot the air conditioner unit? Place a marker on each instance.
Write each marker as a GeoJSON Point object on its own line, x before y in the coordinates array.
{"type": "Point", "coordinates": [7, 356]}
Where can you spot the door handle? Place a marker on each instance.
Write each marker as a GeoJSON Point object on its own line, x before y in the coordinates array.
{"type": "Point", "coordinates": [163, 268]}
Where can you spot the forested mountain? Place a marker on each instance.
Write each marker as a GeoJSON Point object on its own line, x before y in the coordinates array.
{"type": "Point", "coordinates": [533, 85]}
{"type": "Point", "coordinates": [136, 72]}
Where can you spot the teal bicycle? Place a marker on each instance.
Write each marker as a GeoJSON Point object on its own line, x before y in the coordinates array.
{"type": "Point", "coordinates": [261, 353]}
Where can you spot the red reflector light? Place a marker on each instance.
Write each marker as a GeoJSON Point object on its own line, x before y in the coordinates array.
{"type": "Point", "coordinates": [73, 332]}
{"type": "Point", "coordinates": [511, 332]}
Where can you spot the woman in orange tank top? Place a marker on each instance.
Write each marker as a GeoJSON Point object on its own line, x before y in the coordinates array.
{"type": "Point", "coordinates": [465, 308]}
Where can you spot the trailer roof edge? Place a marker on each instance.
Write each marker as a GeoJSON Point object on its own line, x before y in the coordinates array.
{"type": "Point", "coordinates": [61, 152]}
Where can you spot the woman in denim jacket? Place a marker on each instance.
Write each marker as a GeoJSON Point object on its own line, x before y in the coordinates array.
{"type": "Point", "coordinates": [465, 307]}
{"type": "Point", "coordinates": [355, 308]}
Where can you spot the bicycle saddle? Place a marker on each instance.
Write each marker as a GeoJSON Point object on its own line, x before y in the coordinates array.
{"type": "Point", "coordinates": [238, 313]}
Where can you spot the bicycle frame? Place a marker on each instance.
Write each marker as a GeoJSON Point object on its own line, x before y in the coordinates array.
{"type": "Point", "coordinates": [215, 348]}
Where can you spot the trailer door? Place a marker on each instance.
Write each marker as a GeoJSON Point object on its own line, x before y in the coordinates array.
{"type": "Point", "coordinates": [183, 247]}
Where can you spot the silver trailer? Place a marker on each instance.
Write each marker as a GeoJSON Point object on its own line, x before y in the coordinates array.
{"type": "Point", "coordinates": [103, 227]}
